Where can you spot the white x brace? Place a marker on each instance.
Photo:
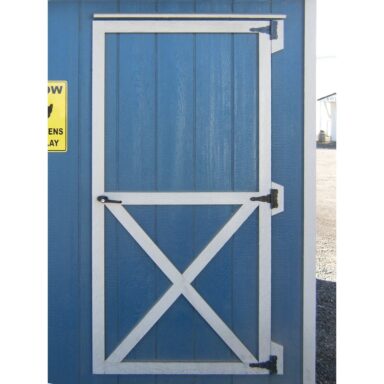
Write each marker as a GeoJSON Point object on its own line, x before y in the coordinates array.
{"type": "Point", "coordinates": [182, 283]}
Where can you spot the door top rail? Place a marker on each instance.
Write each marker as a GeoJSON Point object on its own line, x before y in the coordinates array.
{"type": "Point", "coordinates": [184, 16]}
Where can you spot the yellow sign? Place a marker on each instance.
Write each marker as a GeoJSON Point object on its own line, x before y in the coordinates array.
{"type": "Point", "coordinates": [57, 116]}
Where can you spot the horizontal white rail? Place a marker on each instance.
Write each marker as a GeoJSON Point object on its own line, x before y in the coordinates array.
{"type": "Point", "coordinates": [184, 198]}
{"type": "Point", "coordinates": [192, 16]}
{"type": "Point", "coordinates": [183, 368]}
{"type": "Point", "coordinates": [180, 26]}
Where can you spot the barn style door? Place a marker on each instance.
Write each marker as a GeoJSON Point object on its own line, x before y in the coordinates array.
{"type": "Point", "coordinates": [182, 194]}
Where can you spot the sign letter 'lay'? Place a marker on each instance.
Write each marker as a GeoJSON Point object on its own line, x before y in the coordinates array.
{"type": "Point", "coordinates": [57, 116]}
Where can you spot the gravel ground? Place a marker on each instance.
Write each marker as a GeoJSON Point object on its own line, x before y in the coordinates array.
{"type": "Point", "coordinates": [326, 266]}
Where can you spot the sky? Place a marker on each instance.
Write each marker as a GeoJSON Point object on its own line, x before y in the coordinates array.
{"type": "Point", "coordinates": [326, 47]}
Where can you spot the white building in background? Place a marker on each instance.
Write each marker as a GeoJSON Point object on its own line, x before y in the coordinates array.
{"type": "Point", "coordinates": [326, 67]}
{"type": "Point", "coordinates": [326, 97]}
{"type": "Point", "coordinates": [327, 116]}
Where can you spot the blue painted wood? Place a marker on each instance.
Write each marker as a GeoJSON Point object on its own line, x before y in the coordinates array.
{"type": "Point", "coordinates": [246, 165]}
{"type": "Point", "coordinates": [175, 165]}
{"type": "Point", "coordinates": [245, 149]}
{"type": "Point", "coordinates": [214, 171]}
{"type": "Point", "coordinates": [175, 109]}
{"type": "Point", "coordinates": [137, 150]}
{"type": "Point", "coordinates": [112, 227]}
{"type": "Point", "coordinates": [181, 115]}
{"type": "Point", "coordinates": [85, 134]}
{"type": "Point", "coordinates": [287, 169]}
{"type": "Point", "coordinates": [245, 270]}
{"type": "Point", "coordinates": [137, 171]}
{"type": "Point", "coordinates": [63, 241]}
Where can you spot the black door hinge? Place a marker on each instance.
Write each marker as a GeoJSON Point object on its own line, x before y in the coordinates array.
{"type": "Point", "coordinates": [271, 365]}
{"type": "Point", "coordinates": [272, 198]}
{"type": "Point", "coordinates": [271, 29]}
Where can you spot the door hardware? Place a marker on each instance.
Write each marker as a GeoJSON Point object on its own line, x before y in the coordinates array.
{"type": "Point", "coordinates": [271, 198]}
{"type": "Point", "coordinates": [105, 199]}
{"type": "Point", "coordinates": [271, 29]}
{"type": "Point", "coordinates": [271, 365]}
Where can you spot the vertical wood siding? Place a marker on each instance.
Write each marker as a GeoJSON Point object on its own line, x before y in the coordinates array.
{"type": "Point", "coordinates": [181, 115]}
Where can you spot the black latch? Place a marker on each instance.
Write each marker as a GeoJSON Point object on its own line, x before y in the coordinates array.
{"type": "Point", "coordinates": [271, 365]}
{"type": "Point", "coordinates": [104, 199]}
{"type": "Point", "coordinates": [272, 198]}
{"type": "Point", "coordinates": [271, 29]}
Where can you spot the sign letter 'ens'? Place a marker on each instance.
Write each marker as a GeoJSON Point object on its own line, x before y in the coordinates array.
{"type": "Point", "coordinates": [57, 116]}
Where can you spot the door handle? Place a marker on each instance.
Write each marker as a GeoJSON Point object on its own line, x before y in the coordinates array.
{"type": "Point", "coordinates": [105, 199]}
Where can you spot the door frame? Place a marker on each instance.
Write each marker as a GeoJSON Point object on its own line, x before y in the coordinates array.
{"type": "Point", "coordinates": [309, 230]}
{"type": "Point", "coordinates": [262, 25]}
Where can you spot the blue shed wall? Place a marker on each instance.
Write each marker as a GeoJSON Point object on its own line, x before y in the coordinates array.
{"type": "Point", "coordinates": [70, 347]}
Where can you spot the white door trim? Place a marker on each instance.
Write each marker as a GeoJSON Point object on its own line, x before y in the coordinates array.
{"type": "Point", "coordinates": [309, 236]}
{"type": "Point", "coordinates": [183, 198]}
{"type": "Point", "coordinates": [265, 223]}
{"type": "Point", "coordinates": [186, 16]}
{"type": "Point", "coordinates": [182, 282]}
{"type": "Point", "coordinates": [180, 26]}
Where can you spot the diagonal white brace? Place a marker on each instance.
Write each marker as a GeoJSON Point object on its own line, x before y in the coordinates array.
{"type": "Point", "coordinates": [214, 246]}
{"type": "Point", "coordinates": [218, 325]}
{"type": "Point", "coordinates": [145, 324]}
{"type": "Point", "coordinates": [181, 283]}
{"type": "Point", "coordinates": [145, 242]}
